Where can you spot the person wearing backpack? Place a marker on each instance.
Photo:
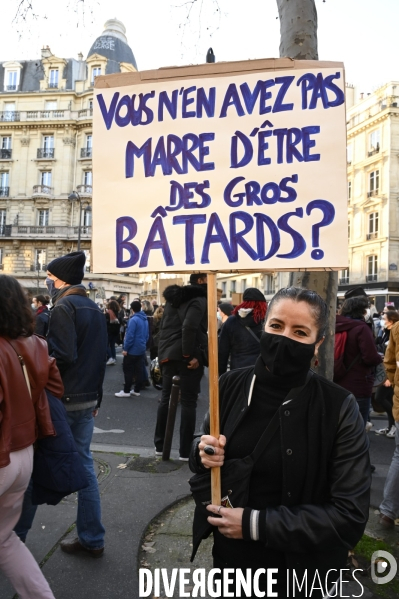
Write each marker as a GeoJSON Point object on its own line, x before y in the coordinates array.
{"type": "Point", "coordinates": [355, 354]}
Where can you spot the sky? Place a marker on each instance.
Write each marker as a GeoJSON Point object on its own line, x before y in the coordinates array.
{"type": "Point", "coordinates": [361, 33]}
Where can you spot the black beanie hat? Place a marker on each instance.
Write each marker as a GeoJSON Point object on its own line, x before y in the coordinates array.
{"type": "Point", "coordinates": [69, 268]}
{"type": "Point", "coordinates": [253, 295]}
{"type": "Point", "coordinates": [355, 292]}
{"type": "Point", "coordinates": [226, 308]}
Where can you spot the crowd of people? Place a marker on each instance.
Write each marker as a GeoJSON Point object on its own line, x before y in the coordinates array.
{"type": "Point", "coordinates": [307, 492]}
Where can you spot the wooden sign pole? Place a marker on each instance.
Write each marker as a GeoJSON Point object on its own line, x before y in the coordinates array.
{"type": "Point", "coordinates": [213, 379]}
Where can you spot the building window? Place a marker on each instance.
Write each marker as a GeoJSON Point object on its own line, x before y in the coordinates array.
{"type": "Point", "coordinates": [243, 285]}
{"type": "Point", "coordinates": [349, 154]}
{"type": "Point", "coordinates": [373, 223]}
{"type": "Point", "coordinates": [12, 81]}
{"type": "Point", "coordinates": [372, 268]}
{"type": "Point", "coordinates": [9, 111]}
{"type": "Point", "coordinates": [4, 185]}
{"type": "Point", "coordinates": [256, 282]}
{"type": "Point", "coordinates": [90, 104]}
{"type": "Point", "coordinates": [374, 142]}
{"type": "Point", "coordinates": [96, 71]}
{"type": "Point", "coordinates": [88, 258]}
{"type": "Point", "coordinates": [88, 178]}
{"type": "Point", "coordinates": [3, 216]}
{"type": "Point", "coordinates": [269, 284]}
{"type": "Point", "coordinates": [349, 190]}
{"type": "Point", "coordinates": [5, 150]}
{"type": "Point", "coordinates": [86, 218]}
{"type": "Point", "coordinates": [224, 288]}
{"type": "Point", "coordinates": [374, 182]}
{"type": "Point", "coordinates": [344, 277]}
{"type": "Point", "coordinates": [89, 141]}
{"type": "Point", "coordinates": [50, 105]}
{"type": "Point", "coordinates": [349, 230]}
{"type": "Point", "coordinates": [40, 260]}
{"type": "Point", "coordinates": [45, 178]}
{"type": "Point", "coordinates": [232, 286]}
{"type": "Point", "coordinates": [1, 258]}
{"type": "Point", "coordinates": [53, 79]}
{"type": "Point", "coordinates": [43, 218]}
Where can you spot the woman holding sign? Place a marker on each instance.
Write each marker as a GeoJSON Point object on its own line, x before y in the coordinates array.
{"type": "Point", "coordinates": [302, 499]}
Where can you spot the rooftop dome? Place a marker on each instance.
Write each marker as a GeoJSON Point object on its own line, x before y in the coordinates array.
{"type": "Point", "coordinates": [112, 44]}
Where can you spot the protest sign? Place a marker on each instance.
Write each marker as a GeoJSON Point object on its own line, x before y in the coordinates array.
{"type": "Point", "coordinates": [222, 167]}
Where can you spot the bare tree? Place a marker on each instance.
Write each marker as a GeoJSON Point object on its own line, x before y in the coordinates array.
{"type": "Point", "coordinates": [298, 29]}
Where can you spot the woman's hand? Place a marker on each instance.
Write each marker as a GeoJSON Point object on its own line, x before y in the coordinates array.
{"type": "Point", "coordinates": [387, 383]}
{"type": "Point", "coordinates": [230, 523]}
{"type": "Point", "coordinates": [217, 459]}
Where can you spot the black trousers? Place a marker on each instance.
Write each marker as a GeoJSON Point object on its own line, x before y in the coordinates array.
{"type": "Point", "coordinates": [384, 396]}
{"type": "Point", "coordinates": [190, 387]}
{"type": "Point", "coordinates": [133, 367]}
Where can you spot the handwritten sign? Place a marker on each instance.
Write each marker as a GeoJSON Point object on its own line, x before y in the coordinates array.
{"type": "Point", "coordinates": [242, 169]}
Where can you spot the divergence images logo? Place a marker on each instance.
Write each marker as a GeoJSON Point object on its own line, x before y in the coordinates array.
{"type": "Point", "coordinates": [383, 567]}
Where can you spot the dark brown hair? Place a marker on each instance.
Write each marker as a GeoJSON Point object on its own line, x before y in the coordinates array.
{"type": "Point", "coordinates": [313, 299]}
{"type": "Point", "coordinates": [392, 315]}
{"type": "Point", "coordinates": [16, 318]}
{"type": "Point", "coordinates": [42, 299]}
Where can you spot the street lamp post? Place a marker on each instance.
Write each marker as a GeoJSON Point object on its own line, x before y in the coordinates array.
{"type": "Point", "coordinates": [75, 197]}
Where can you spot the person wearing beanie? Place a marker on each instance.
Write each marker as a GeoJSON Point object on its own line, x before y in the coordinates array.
{"type": "Point", "coordinates": [241, 332]}
{"type": "Point", "coordinates": [77, 339]}
{"type": "Point", "coordinates": [134, 346]}
{"type": "Point", "coordinates": [223, 312]}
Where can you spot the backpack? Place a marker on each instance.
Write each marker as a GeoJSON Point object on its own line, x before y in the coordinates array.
{"type": "Point", "coordinates": [340, 370]}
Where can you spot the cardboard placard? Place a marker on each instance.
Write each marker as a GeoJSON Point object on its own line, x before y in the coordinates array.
{"type": "Point", "coordinates": [223, 167]}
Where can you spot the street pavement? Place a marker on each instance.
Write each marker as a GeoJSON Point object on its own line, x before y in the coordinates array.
{"type": "Point", "coordinates": [137, 503]}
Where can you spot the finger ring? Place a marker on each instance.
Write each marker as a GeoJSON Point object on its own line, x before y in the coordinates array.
{"type": "Point", "coordinates": [219, 508]}
{"type": "Point", "coordinates": [209, 450]}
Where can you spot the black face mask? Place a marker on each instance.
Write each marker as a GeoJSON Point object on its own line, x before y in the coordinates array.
{"type": "Point", "coordinates": [286, 358]}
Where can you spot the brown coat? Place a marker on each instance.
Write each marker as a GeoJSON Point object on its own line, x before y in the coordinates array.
{"type": "Point", "coordinates": [391, 361]}
{"type": "Point", "coordinates": [22, 418]}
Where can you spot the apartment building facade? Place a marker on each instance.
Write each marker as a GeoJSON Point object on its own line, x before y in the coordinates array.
{"type": "Point", "coordinates": [46, 108]}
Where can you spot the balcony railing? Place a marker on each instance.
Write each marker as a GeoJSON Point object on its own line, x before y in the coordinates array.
{"type": "Point", "coordinates": [371, 236]}
{"type": "Point", "coordinates": [85, 189]}
{"type": "Point", "coordinates": [374, 151]}
{"type": "Point", "coordinates": [11, 88]}
{"type": "Point", "coordinates": [53, 85]}
{"type": "Point", "coordinates": [372, 193]}
{"type": "Point", "coordinates": [270, 291]}
{"type": "Point", "coordinates": [4, 192]}
{"type": "Point", "coordinates": [1, 266]}
{"type": "Point", "coordinates": [9, 115]}
{"type": "Point", "coordinates": [45, 152]}
{"type": "Point", "coordinates": [85, 112]}
{"type": "Point", "coordinates": [38, 267]}
{"type": "Point", "coordinates": [47, 232]}
{"type": "Point", "coordinates": [344, 281]}
{"type": "Point", "coordinates": [44, 114]}
{"type": "Point", "coordinates": [5, 154]}
{"type": "Point", "coordinates": [370, 278]}
{"type": "Point", "coordinates": [86, 152]}
{"type": "Point", "coordinates": [42, 189]}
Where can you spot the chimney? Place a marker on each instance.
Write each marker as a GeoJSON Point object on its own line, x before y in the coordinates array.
{"type": "Point", "coordinates": [80, 56]}
{"type": "Point", "coordinates": [361, 95]}
{"type": "Point", "coordinates": [46, 52]}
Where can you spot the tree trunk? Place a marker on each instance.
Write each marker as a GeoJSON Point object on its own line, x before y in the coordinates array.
{"type": "Point", "coordinates": [298, 29]}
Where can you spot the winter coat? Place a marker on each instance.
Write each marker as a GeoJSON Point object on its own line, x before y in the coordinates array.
{"type": "Point", "coordinates": [359, 343]}
{"type": "Point", "coordinates": [42, 321]}
{"type": "Point", "coordinates": [391, 366]}
{"type": "Point", "coordinates": [58, 470]}
{"type": "Point", "coordinates": [325, 477]}
{"type": "Point", "coordinates": [137, 334]}
{"type": "Point", "coordinates": [22, 417]}
{"type": "Point", "coordinates": [112, 327]}
{"type": "Point", "coordinates": [183, 333]}
{"type": "Point", "coordinates": [238, 343]}
{"type": "Point", "coordinates": [77, 339]}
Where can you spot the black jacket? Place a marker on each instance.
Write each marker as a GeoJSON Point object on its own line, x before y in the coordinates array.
{"type": "Point", "coordinates": [326, 472]}
{"type": "Point", "coordinates": [77, 339]}
{"type": "Point", "coordinates": [238, 343]}
{"type": "Point", "coordinates": [42, 321]}
{"type": "Point", "coordinates": [184, 323]}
